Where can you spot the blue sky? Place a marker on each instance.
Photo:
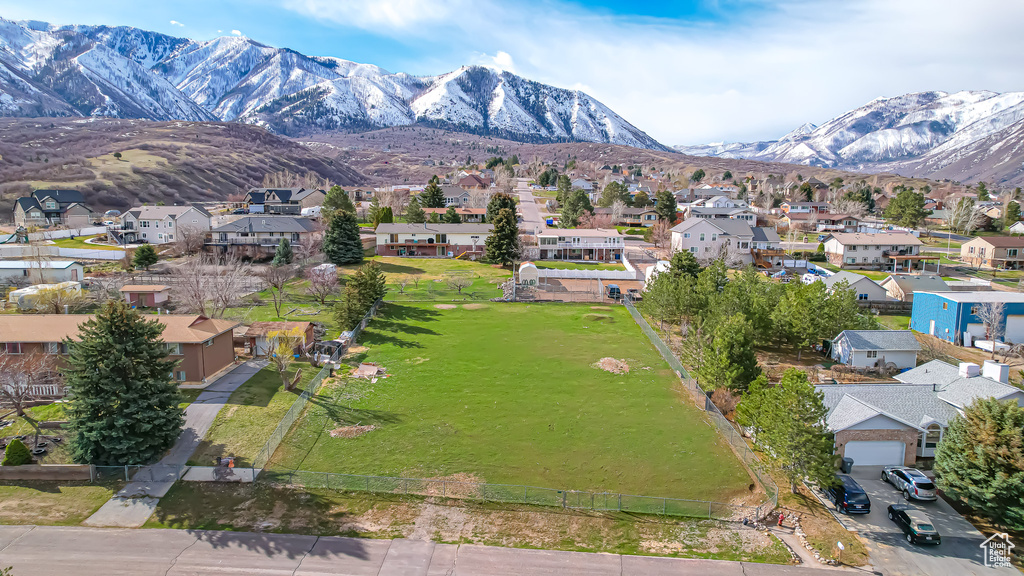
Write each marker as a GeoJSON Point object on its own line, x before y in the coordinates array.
{"type": "Point", "coordinates": [685, 72]}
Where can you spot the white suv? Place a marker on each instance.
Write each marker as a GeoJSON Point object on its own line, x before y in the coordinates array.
{"type": "Point", "coordinates": [911, 481]}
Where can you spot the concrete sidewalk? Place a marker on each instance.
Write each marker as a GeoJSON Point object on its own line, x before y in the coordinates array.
{"type": "Point", "coordinates": [135, 503]}
{"type": "Point", "coordinates": [113, 552]}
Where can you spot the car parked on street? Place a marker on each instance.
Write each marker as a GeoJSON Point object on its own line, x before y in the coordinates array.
{"type": "Point", "coordinates": [915, 524]}
{"type": "Point", "coordinates": [848, 496]}
{"type": "Point", "coordinates": [911, 481]}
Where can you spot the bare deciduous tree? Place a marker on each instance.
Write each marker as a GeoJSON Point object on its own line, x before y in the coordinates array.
{"type": "Point", "coordinates": [57, 300]}
{"type": "Point", "coordinates": [661, 233]}
{"type": "Point", "coordinates": [992, 316]}
{"type": "Point", "coordinates": [458, 282]}
{"type": "Point", "coordinates": [277, 278]}
{"type": "Point", "coordinates": [594, 221]}
{"type": "Point", "coordinates": [203, 286]}
{"type": "Point", "coordinates": [322, 283]}
{"type": "Point", "coordinates": [849, 206]}
{"type": "Point", "coordinates": [312, 247]}
{"type": "Point", "coordinates": [963, 217]}
{"type": "Point", "coordinates": [288, 179]}
{"type": "Point", "coordinates": [21, 375]}
{"type": "Point", "coordinates": [401, 283]}
{"type": "Point", "coordinates": [190, 239]}
{"type": "Point", "coordinates": [103, 288]}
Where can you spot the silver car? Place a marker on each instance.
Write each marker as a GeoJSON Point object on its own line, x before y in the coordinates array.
{"type": "Point", "coordinates": [911, 481]}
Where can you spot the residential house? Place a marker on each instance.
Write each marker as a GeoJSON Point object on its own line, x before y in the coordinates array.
{"type": "Point", "coordinates": [258, 337]}
{"type": "Point", "coordinates": [735, 240]}
{"type": "Point", "coordinates": [282, 200]}
{"type": "Point", "coordinates": [885, 250]}
{"type": "Point", "coordinates": [161, 224]}
{"type": "Point", "coordinates": [737, 213]}
{"type": "Point", "coordinates": [899, 423]}
{"type": "Point", "coordinates": [993, 252]}
{"type": "Point", "coordinates": [455, 196]}
{"type": "Point", "coordinates": [952, 316]}
{"type": "Point", "coordinates": [721, 202]}
{"type": "Point", "coordinates": [804, 207]}
{"type": "Point", "coordinates": [584, 244]}
{"type": "Point", "coordinates": [433, 240]}
{"type": "Point", "coordinates": [632, 217]}
{"type": "Point", "coordinates": [820, 222]}
{"type": "Point", "coordinates": [25, 272]}
{"type": "Point", "coordinates": [903, 286]}
{"type": "Point", "coordinates": [582, 184]}
{"type": "Point", "coordinates": [259, 236]}
{"type": "Point", "coordinates": [474, 182]}
{"type": "Point", "coordinates": [468, 215]}
{"type": "Point", "coordinates": [876, 348]}
{"type": "Point", "coordinates": [202, 345]}
{"type": "Point", "coordinates": [1016, 228]}
{"type": "Point", "coordinates": [53, 208]}
{"type": "Point", "coordinates": [146, 295]}
{"type": "Point", "coordinates": [866, 289]}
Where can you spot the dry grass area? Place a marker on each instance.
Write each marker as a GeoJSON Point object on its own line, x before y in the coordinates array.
{"type": "Point", "coordinates": [263, 508]}
{"type": "Point", "coordinates": [51, 503]}
{"type": "Point", "coordinates": [933, 348]}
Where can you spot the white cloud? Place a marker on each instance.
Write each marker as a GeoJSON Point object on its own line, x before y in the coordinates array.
{"type": "Point", "coordinates": [176, 23]}
{"type": "Point", "coordinates": [236, 32]}
{"type": "Point", "coordinates": [755, 75]}
{"type": "Point", "coordinates": [500, 61]}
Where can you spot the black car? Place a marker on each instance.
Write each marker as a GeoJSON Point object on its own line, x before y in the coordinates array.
{"type": "Point", "coordinates": [848, 496]}
{"type": "Point", "coordinates": [915, 524]}
{"type": "Point", "coordinates": [239, 211]}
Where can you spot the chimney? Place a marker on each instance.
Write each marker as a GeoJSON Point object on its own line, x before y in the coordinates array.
{"type": "Point", "coordinates": [969, 370]}
{"type": "Point", "coordinates": [996, 371]}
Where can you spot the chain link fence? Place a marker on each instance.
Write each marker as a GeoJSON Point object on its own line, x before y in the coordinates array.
{"type": "Point", "coordinates": [511, 494]}
{"type": "Point", "coordinates": [724, 426]}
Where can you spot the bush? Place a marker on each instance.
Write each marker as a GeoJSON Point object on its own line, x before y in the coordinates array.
{"type": "Point", "coordinates": [16, 454]}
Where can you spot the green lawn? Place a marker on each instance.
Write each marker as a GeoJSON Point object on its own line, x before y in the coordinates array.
{"type": "Point", "coordinates": [506, 393]}
{"type": "Point", "coordinates": [51, 503]}
{"type": "Point", "coordinates": [631, 231]}
{"type": "Point", "coordinates": [894, 321]}
{"type": "Point", "coordinates": [578, 266]}
{"type": "Point", "coordinates": [252, 412]}
{"type": "Point", "coordinates": [79, 242]}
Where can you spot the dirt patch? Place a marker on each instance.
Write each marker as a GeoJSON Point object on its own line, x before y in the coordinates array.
{"type": "Point", "coordinates": [352, 431]}
{"type": "Point", "coordinates": [600, 308]}
{"type": "Point", "coordinates": [445, 306]}
{"type": "Point", "coordinates": [609, 364]}
{"type": "Point", "coordinates": [356, 349]}
{"type": "Point", "coordinates": [598, 318]}
{"type": "Point", "coordinates": [475, 306]}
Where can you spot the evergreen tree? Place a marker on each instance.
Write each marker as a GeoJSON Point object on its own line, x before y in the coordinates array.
{"type": "Point", "coordinates": [497, 203]}
{"type": "Point", "coordinates": [434, 218]}
{"type": "Point", "coordinates": [573, 209]}
{"type": "Point", "coordinates": [697, 175]}
{"type": "Point", "coordinates": [983, 195]}
{"type": "Point", "coordinates": [414, 213]}
{"type": "Point", "coordinates": [341, 241]}
{"type": "Point", "coordinates": [363, 288]}
{"type": "Point", "coordinates": [375, 212]}
{"type": "Point", "coordinates": [641, 200]}
{"type": "Point", "coordinates": [123, 405]}
{"type": "Point", "coordinates": [503, 243]}
{"type": "Point", "coordinates": [337, 199]}
{"type": "Point", "coordinates": [145, 256]}
{"type": "Point", "coordinates": [980, 460]}
{"type": "Point", "coordinates": [1012, 215]}
{"type": "Point", "coordinates": [564, 188]}
{"type": "Point", "coordinates": [513, 160]}
{"type": "Point", "coordinates": [906, 209]}
{"type": "Point", "coordinates": [452, 217]}
{"type": "Point", "coordinates": [432, 196]}
{"type": "Point", "coordinates": [728, 356]}
{"type": "Point", "coordinates": [684, 263]}
{"type": "Point", "coordinates": [666, 206]}
{"type": "Point", "coordinates": [789, 420]}
{"type": "Point", "coordinates": [16, 454]}
{"type": "Point", "coordinates": [727, 175]}
{"type": "Point", "coordinates": [386, 216]}
{"type": "Point", "coordinates": [612, 192]}
{"type": "Point", "coordinates": [283, 255]}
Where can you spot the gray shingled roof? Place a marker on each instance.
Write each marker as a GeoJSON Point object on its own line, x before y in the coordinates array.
{"type": "Point", "coordinates": [954, 388]}
{"type": "Point", "coordinates": [765, 234]}
{"type": "Point", "coordinates": [268, 224]}
{"type": "Point", "coordinates": [850, 277]}
{"type": "Point", "coordinates": [913, 404]}
{"type": "Point", "coordinates": [880, 339]}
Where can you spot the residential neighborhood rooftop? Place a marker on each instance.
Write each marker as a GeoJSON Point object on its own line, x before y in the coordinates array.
{"type": "Point", "coordinates": [183, 328]}
{"type": "Point", "coordinates": [268, 223]}
{"type": "Point", "coordinates": [880, 239]}
{"type": "Point", "coordinates": [36, 264]}
{"type": "Point", "coordinates": [953, 388]}
{"type": "Point", "coordinates": [918, 282]}
{"type": "Point", "coordinates": [978, 297]}
{"type": "Point", "coordinates": [881, 339]}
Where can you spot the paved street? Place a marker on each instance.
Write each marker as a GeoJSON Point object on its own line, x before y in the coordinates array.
{"type": "Point", "coordinates": [532, 221]}
{"type": "Point", "coordinates": [55, 550]}
{"type": "Point", "coordinates": [958, 555]}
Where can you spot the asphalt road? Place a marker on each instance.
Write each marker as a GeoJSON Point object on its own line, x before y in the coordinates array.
{"type": "Point", "coordinates": [532, 220]}
{"type": "Point", "coordinates": [959, 554]}
{"type": "Point", "coordinates": [55, 550]}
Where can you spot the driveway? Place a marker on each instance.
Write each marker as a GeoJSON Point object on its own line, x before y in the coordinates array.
{"type": "Point", "coordinates": [959, 554]}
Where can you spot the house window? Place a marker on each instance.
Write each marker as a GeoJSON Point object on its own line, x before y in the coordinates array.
{"type": "Point", "coordinates": [392, 237]}
{"type": "Point", "coordinates": [51, 205]}
{"type": "Point", "coordinates": [714, 237]}
{"type": "Point", "coordinates": [1011, 253]}
{"type": "Point", "coordinates": [170, 224]}
{"type": "Point", "coordinates": [693, 249]}
{"type": "Point", "coordinates": [548, 241]}
{"type": "Point", "coordinates": [932, 436]}
{"type": "Point", "coordinates": [208, 343]}
{"type": "Point", "coordinates": [143, 223]}
{"type": "Point", "coordinates": [981, 252]}
{"type": "Point", "coordinates": [179, 375]}
{"type": "Point", "coordinates": [975, 309]}
{"type": "Point", "coordinates": [295, 236]}
{"type": "Point", "coordinates": [56, 348]}
{"type": "Point", "coordinates": [11, 347]}
{"type": "Point", "coordinates": [686, 234]}
{"type": "Point", "coordinates": [872, 353]}
{"type": "Point", "coordinates": [971, 250]}
{"type": "Point", "coordinates": [702, 237]}
{"type": "Point", "coordinates": [862, 296]}
{"type": "Point", "coordinates": [945, 305]}
{"type": "Point", "coordinates": [853, 248]}
{"type": "Point", "coordinates": [174, 349]}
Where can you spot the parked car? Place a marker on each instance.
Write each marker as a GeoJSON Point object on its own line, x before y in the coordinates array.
{"type": "Point", "coordinates": [821, 237]}
{"type": "Point", "coordinates": [911, 481]}
{"type": "Point", "coordinates": [848, 496]}
{"type": "Point", "coordinates": [108, 222]}
{"type": "Point", "coordinates": [634, 295]}
{"type": "Point", "coordinates": [613, 292]}
{"type": "Point", "coordinates": [239, 211]}
{"type": "Point", "coordinates": [915, 524]}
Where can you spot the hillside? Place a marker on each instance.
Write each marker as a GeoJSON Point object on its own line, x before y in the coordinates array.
{"type": "Point", "coordinates": [160, 161]}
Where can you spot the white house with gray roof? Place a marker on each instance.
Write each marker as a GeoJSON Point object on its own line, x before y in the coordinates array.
{"type": "Point", "coordinates": [871, 348]}
{"type": "Point", "coordinates": [160, 224]}
{"type": "Point", "coordinates": [865, 288]}
{"type": "Point", "coordinates": [883, 424]}
{"type": "Point", "coordinates": [258, 236]}
{"type": "Point", "coordinates": [736, 241]}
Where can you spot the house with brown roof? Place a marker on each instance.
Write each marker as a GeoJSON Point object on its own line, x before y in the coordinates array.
{"type": "Point", "coordinates": [145, 295]}
{"type": "Point", "coordinates": [258, 337]}
{"type": "Point", "coordinates": [468, 215]}
{"type": "Point", "coordinates": [994, 252]}
{"type": "Point", "coordinates": [474, 182]}
{"type": "Point", "coordinates": [883, 251]}
{"type": "Point", "coordinates": [201, 345]}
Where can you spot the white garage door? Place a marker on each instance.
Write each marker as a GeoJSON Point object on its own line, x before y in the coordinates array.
{"type": "Point", "coordinates": [1014, 329]}
{"type": "Point", "coordinates": [875, 452]}
{"type": "Point", "coordinates": [977, 330]}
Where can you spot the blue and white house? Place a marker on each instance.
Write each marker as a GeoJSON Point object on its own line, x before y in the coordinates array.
{"type": "Point", "coordinates": [951, 315]}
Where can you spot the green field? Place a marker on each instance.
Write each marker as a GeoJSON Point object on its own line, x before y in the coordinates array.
{"type": "Point", "coordinates": [80, 242]}
{"type": "Point", "coordinates": [507, 393]}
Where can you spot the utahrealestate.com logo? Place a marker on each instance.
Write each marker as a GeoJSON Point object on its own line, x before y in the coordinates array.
{"type": "Point", "coordinates": [997, 550]}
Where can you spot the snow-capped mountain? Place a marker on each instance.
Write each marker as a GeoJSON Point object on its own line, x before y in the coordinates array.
{"type": "Point", "coordinates": [923, 134]}
{"type": "Point", "coordinates": [123, 72]}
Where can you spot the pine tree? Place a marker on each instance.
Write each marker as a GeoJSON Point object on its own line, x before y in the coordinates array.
{"type": "Point", "coordinates": [337, 199]}
{"type": "Point", "coordinates": [641, 200]}
{"type": "Point", "coordinates": [375, 212]}
{"type": "Point", "coordinates": [684, 263]}
{"type": "Point", "coordinates": [612, 192]}
{"type": "Point", "coordinates": [498, 202]}
{"type": "Point", "coordinates": [283, 255]}
{"type": "Point", "coordinates": [906, 209]}
{"type": "Point", "coordinates": [503, 243]}
{"type": "Point", "coordinates": [1012, 213]}
{"type": "Point", "coordinates": [727, 175]}
{"type": "Point", "coordinates": [432, 196]}
{"type": "Point", "coordinates": [414, 213]}
{"type": "Point", "coordinates": [386, 215]}
{"type": "Point", "coordinates": [729, 360]}
{"type": "Point", "coordinates": [666, 206]}
{"type": "Point", "coordinates": [697, 175]}
{"type": "Point", "coordinates": [452, 217]}
{"type": "Point", "coordinates": [363, 288]}
{"type": "Point", "coordinates": [341, 241]}
{"type": "Point", "coordinates": [980, 460]}
{"type": "Point", "coordinates": [145, 256]}
{"type": "Point", "coordinates": [16, 454]}
{"type": "Point", "coordinates": [123, 405]}
{"type": "Point", "coordinates": [573, 209]}
{"type": "Point", "coordinates": [564, 188]}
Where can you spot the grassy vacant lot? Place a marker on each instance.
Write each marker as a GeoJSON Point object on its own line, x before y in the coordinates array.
{"type": "Point", "coordinates": [265, 508]}
{"type": "Point", "coordinates": [57, 503]}
{"type": "Point", "coordinates": [430, 274]}
{"type": "Point", "coordinates": [508, 394]}
{"type": "Point", "coordinates": [252, 412]}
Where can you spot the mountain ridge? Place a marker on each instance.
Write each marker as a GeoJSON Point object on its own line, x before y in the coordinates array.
{"type": "Point", "coordinates": [48, 70]}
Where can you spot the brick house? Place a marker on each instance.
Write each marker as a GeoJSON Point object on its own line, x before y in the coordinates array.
{"type": "Point", "coordinates": [282, 200]}
{"type": "Point", "coordinates": [202, 345]}
{"type": "Point", "coordinates": [432, 240]}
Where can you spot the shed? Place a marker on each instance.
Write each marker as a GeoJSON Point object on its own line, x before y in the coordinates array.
{"type": "Point", "coordinates": [257, 335]}
{"type": "Point", "coordinates": [866, 348]}
{"type": "Point", "coordinates": [146, 295]}
{"type": "Point", "coordinates": [528, 274]}
{"type": "Point", "coordinates": [41, 271]}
